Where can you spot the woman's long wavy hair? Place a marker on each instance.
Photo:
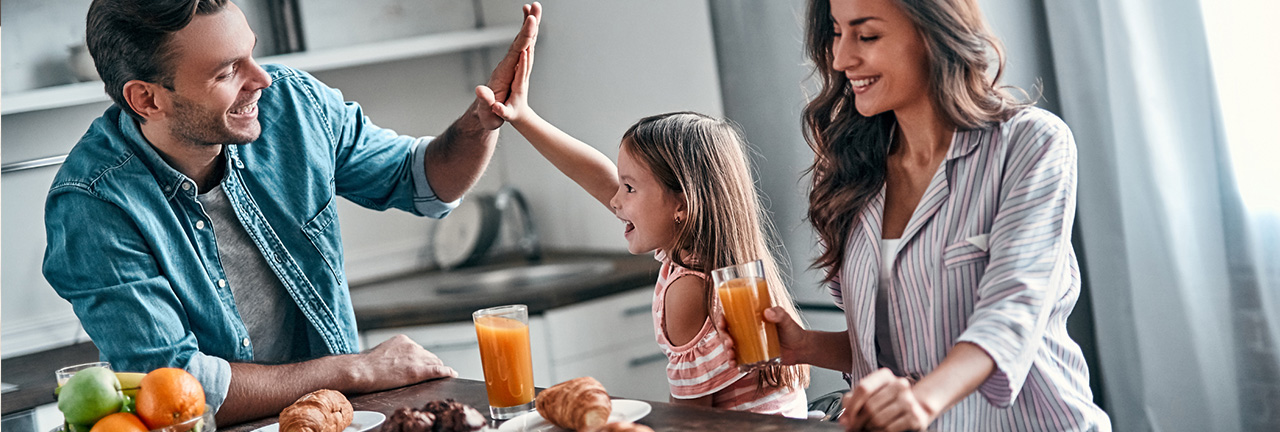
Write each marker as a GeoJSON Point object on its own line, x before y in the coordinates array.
{"type": "Point", "coordinates": [705, 159]}
{"type": "Point", "coordinates": [850, 150]}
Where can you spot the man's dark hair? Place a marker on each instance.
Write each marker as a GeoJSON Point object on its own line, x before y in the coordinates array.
{"type": "Point", "coordinates": [128, 40]}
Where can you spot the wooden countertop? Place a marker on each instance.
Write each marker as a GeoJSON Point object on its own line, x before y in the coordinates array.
{"type": "Point", "coordinates": [664, 417]}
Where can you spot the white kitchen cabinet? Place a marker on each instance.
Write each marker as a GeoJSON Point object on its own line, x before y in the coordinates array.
{"type": "Point", "coordinates": [596, 326]}
{"type": "Point", "coordinates": [632, 371]}
{"type": "Point", "coordinates": [612, 340]}
{"type": "Point", "coordinates": [456, 345]}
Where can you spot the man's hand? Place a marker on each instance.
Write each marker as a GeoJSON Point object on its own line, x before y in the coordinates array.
{"type": "Point", "coordinates": [397, 362]}
{"type": "Point", "coordinates": [505, 74]}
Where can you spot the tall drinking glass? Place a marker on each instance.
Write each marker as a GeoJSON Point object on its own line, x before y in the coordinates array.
{"type": "Point", "coordinates": [64, 374]}
{"type": "Point", "coordinates": [744, 295]}
{"type": "Point", "coordinates": [503, 333]}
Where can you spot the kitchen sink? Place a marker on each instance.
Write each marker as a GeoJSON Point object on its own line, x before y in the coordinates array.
{"type": "Point", "coordinates": [515, 278]}
{"type": "Point", "coordinates": [481, 281]}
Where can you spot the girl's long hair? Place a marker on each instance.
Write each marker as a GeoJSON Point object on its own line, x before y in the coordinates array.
{"type": "Point", "coordinates": [850, 150]}
{"type": "Point", "coordinates": [705, 159]}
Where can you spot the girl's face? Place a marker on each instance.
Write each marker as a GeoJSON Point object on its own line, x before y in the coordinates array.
{"type": "Point", "coordinates": [647, 207]}
{"type": "Point", "coordinates": [881, 52]}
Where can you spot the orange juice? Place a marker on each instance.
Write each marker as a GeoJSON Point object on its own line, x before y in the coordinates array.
{"type": "Point", "coordinates": [744, 300]}
{"type": "Point", "coordinates": [508, 366]}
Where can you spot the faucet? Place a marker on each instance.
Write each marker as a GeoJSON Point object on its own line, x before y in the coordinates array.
{"type": "Point", "coordinates": [528, 241]}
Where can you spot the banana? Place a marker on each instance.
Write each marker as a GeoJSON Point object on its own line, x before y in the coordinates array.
{"type": "Point", "coordinates": [130, 382]}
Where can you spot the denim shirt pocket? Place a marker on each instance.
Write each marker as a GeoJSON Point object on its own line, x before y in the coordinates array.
{"type": "Point", "coordinates": [326, 236]}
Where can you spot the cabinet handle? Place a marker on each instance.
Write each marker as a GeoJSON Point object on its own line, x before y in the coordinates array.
{"type": "Point", "coordinates": [635, 310]}
{"type": "Point", "coordinates": [452, 346]}
{"type": "Point", "coordinates": [641, 361]}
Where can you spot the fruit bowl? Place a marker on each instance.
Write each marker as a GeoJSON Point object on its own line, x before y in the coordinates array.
{"type": "Point", "coordinates": [200, 423]}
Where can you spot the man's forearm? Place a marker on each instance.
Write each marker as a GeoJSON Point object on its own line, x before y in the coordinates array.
{"type": "Point", "coordinates": [456, 159]}
{"type": "Point", "coordinates": [259, 391]}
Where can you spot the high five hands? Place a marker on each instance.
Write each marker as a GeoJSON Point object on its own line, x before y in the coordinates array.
{"type": "Point", "coordinates": [507, 76]}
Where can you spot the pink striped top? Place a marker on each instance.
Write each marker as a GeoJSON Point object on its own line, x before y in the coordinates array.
{"type": "Point", "coordinates": [706, 365]}
{"type": "Point", "coordinates": [986, 258]}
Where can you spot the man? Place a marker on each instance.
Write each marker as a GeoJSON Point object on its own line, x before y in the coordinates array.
{"type": "Point", "coordinates": [194, 226]}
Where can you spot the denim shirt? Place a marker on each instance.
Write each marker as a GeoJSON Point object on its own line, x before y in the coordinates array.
{"type": "Point", "coordinates": [131, 248]}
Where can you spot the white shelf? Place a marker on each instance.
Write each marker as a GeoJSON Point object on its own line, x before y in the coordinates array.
{"type": "Point", "coordinates": [311, 61]}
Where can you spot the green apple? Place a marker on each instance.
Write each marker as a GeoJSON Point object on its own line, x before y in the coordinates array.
{"type": "Point", "coordinates": [89, 395]}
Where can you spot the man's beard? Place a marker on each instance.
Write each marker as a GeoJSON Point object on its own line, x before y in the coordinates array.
{"type": "Point", "coordinates": [197, 126]}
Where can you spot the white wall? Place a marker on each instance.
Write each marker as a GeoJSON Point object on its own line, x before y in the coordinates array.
{"type": "Point", "coordinates": [599, 67]}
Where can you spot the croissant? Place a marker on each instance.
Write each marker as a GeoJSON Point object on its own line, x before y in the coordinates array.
{"type": "Point", "coordinates": [318, 411]}
{"type": "Point", "coordinates": [577, 404]}
{"type": "Point", "coordinates": [622, 427]}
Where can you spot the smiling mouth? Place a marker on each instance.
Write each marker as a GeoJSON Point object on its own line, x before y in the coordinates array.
{"type": "Point", "coordinates": [630, 227]}
{"type": "Point", "coordinates": [249, 109]}
{"type": "Point", "coordinates": [861, 84]}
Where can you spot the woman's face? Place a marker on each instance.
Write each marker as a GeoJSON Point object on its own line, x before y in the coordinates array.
{"type": "Point", "coordinates": [647, 208]}
{"type": "Point", "coordinates": [879, 49]}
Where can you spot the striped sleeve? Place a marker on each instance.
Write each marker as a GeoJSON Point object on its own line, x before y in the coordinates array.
{"type": "Point", "coordinates": [1030, 252]}
{"type": "Point", "coordinates": [703, 366]}
{"type": "Point", "coordinates": [837, 295]}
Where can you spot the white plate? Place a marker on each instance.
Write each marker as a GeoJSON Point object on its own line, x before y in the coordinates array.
{"type": "Point", "coordinates": [361, 421]}
{"type": "Point", "coordinates": [623, 410]}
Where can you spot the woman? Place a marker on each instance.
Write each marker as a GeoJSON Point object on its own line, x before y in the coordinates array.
{"type": "Point", "coordinates": [945, 209]}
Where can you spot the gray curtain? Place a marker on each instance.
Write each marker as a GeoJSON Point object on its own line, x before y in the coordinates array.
{"type": "Point", "coordinates": [1185, 311]}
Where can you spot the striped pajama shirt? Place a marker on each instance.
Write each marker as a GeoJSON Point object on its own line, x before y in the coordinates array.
{"type": "Point", "coordinates": [986, 258]}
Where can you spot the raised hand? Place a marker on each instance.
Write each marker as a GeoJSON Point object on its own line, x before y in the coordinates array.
{"type": "Point", "coordinates": [516, 107]}
{"type": "Point", "coordinates": [505, 75]}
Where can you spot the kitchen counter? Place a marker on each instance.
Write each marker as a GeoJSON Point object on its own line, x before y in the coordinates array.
{"type": "Point", "coordinates": [33, 374]}
{"type": "Point", "coordinates": [437, 297]}
{"type": "Point", "coordinates": [664, 417]}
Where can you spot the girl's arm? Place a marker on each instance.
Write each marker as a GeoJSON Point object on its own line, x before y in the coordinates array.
{"type": "Point", "coordinates": [589, 168]}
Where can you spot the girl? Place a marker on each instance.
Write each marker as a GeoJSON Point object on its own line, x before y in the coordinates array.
{"type": "Point", "coordinates": [683, 188]}
{"type": "Point", "coordinates": [945, 207]}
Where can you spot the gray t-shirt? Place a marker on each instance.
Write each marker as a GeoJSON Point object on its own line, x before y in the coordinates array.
{"type": "Point", "coordinates": [273, 320]}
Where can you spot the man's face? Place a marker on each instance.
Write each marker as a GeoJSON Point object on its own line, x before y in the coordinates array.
{"type": "Point", "coordinates": [216, 81]}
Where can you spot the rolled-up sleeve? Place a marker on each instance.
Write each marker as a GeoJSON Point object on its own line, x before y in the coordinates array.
{"type": "Point", "coordinates": [1030, 253]}
{"type": "Point", "coordinates": [424, 198]}
{"type": "Point", "coordinates": [124, 302]}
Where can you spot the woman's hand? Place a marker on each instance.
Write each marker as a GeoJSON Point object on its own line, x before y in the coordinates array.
{"type": "Point", "coordinates": [791, 337]}
{"type": "Point", "coordinates": [884, 402]}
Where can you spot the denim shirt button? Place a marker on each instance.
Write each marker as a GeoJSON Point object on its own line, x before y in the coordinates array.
{"type": "Point", "coordinates": [245, 342]}
{"type": "Point", "coordinates": [186, 186]}
{"type": "Point", "coordinates": [222, 283]}
{"type": "Point", "coordinates": [199, 224]}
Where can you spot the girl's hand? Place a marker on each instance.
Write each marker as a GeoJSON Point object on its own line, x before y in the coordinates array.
{"type": "Point", "coordinates": [884, 402]}
{"type": "Point", "coordinates": [516, 108]}
{"type": "Point", "coordinates": [791, 337]}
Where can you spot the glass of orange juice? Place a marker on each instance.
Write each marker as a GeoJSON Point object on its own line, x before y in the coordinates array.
{"type": "Point", "coordinates": [744, 295]}
{"type": "Point", "coordinates": [503, 333]}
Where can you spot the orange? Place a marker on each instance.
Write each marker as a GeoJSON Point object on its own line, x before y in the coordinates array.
{"type": "Point", "coordinates": [167, 396]}
{"type": "Point", "coordinates": [119, 422]}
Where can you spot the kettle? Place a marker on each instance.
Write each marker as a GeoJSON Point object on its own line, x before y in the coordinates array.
{"type": "Point", "coordinates": [467, 234]}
